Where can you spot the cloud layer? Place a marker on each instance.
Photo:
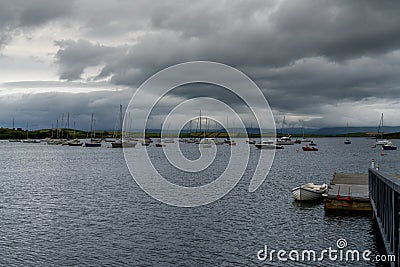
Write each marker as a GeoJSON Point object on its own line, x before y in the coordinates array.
{"type": "Point", "coordinates": [327, 62]}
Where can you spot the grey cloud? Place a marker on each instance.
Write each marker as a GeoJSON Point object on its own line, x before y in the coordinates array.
{"type": "Point", "coordinates": [305, 55]}
{"type": "Point", "coordinates": [74, 56]}
{"type": "Point", "coordinates": [25, 14]}
{"type": "Point", "coordinates": [243, 34]}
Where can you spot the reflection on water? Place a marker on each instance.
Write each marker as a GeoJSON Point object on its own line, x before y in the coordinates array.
{"type": "Point", "coordinates": [78, 206]}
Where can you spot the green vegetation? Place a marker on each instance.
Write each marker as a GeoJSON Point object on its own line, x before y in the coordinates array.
{"type": "Point", "coordinates": [18, 133]}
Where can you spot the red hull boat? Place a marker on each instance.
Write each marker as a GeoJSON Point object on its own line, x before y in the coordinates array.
{"type": "Point", "coordinates": [308, 148]}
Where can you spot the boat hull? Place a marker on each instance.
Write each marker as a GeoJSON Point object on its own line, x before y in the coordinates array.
{"type": "Point", "coordinates": [284, 142]}
{"type": "Point", "coordinates": [92, 144]}
{"type": "Point", "coordinates": [269, 146]}
{"type": "Point", "coordinates": [389, 147]}
{"type": "Point", "coordinates": [123, 144]}
{"type": "Point", "coordinates": [307, 148]}
{"type": "Point", "coordinates": [304, 194]}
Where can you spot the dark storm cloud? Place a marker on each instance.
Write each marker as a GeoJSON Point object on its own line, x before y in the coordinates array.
{"type": "Point", "coordinates": [320, 81]}
{"type": "Point", "coordinates": [25, 14]}
{"type": "Point", "coordinates": [44, 109]}
{"type": "Point", "coordinates": [306, 56]}
{"type": "Point", "coordinates": [247, 34]}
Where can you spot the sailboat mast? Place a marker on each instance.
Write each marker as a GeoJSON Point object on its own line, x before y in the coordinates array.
{"type": "Point", "coordinates": [68, 125]}
{"type": "Point", "coordinates": [200, 122]}
{"type": "Point", "coordinates": [190, 128]}
{"type": "Point", "coordinates": [13, 130]}
{"type": "Point", "coordinates": [91, 125]}
{"type": "Point", "coordinates": [62, 126]}
{"type": "Point", "coordinates": [94, 128]}
{"type": "Point", "coordinates": [120, 117]}
{"type": "Point", "coordinates": [382, 128]}
{"type": "Point", "coordinates": [206, 128]}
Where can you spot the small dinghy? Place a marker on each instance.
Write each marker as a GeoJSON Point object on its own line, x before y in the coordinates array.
{"type": "Point", "coordinates": [309, 192]}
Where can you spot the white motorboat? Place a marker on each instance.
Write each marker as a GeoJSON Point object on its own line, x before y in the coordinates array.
{"type": "Point", "coordinates": [309, 192]}
{"type": "Point", "coordinates": [284, 140]}
{"type": "Point", "coordinates": [382, 142]}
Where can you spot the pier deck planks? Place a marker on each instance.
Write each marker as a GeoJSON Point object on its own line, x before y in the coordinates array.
{"type": "Point", "coordinates": [348, 192]}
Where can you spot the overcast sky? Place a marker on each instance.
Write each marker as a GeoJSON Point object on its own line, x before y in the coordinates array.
{"type": "Point", "coordinates": [325, 62]}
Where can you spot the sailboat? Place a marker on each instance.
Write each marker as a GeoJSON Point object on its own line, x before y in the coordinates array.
{"type": "Point", "coordinates": [382, 141]}
{"type": "Point", "coordinates": [206, 142]}
{"type": "Point", "coordinates": [284, 140]}
{"type": "Point", "coordinates": [93, 141]}
{"type": "Point", "coordinates": [228, 139]}
{"type": "Point", "coordinates": [75, 141]}
{"type": "Point", "coordinates": [27, 140]}
{"type": "Point", "coordinates": [118, 143]}
{"type": "Point", "coordinates": [347, 141]}
{"type": "Point", "coordinates": [304, 140]}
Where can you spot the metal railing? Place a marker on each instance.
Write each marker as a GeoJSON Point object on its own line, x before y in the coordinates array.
{"type": "Point", "coordinates": [384, 193]}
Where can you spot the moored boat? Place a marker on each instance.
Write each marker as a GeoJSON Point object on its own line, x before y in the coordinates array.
{"type": "Point", "coordinates": [309, 148]}
{"type": "Point", "coordinates": [347, 141]}
{"type": "Point", "coordinates": [285, 140]}
{"type": "Point", "coordinates": [269, 144]}
{"type": "Point", "coordinates": [74, 142]}
{"type": "Point", "coordinates": [119, 144]}
{"type": "Point", "coordinates": [309, 192]}
{"type": "Point", "coordinates": [93, 144]}
{"type": "Point", "coordinates": [160, 145]}
{"type": "Point", "coordinates": [389, 146]}
{"type": "Point", "coordinates": [381, 142]}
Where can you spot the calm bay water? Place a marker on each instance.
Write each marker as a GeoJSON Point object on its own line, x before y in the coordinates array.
{"type": "Point", "coordinates": [64, 206]}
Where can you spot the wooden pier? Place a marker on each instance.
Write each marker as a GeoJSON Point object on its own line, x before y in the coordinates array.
{"type": "Point", "coordinates": [374, 192]}
{"type": "Point", "coordinates": [348, 192]}
{"type": "Point", "coordinates": [385, 199]}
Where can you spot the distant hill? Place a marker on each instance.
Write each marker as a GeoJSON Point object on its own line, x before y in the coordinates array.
{"type": "Point", "coordinates": [338, 130]}
{"type": "Point", "coordinates": [344, 130]}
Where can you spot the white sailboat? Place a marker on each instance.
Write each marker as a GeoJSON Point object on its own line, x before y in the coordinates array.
{"type": "Point", "coordinates": [94, 142]}
{"type": "Point", "coordinates": [347, 141]}
{"type": "Point", "coordinates": [304, 140]}
{"type": "Point", "coordinates": [382, 141]}
{"type": "Point", "coordinates": [119, 143]}
{"type": "Point", "coordinates": [284, 140]}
